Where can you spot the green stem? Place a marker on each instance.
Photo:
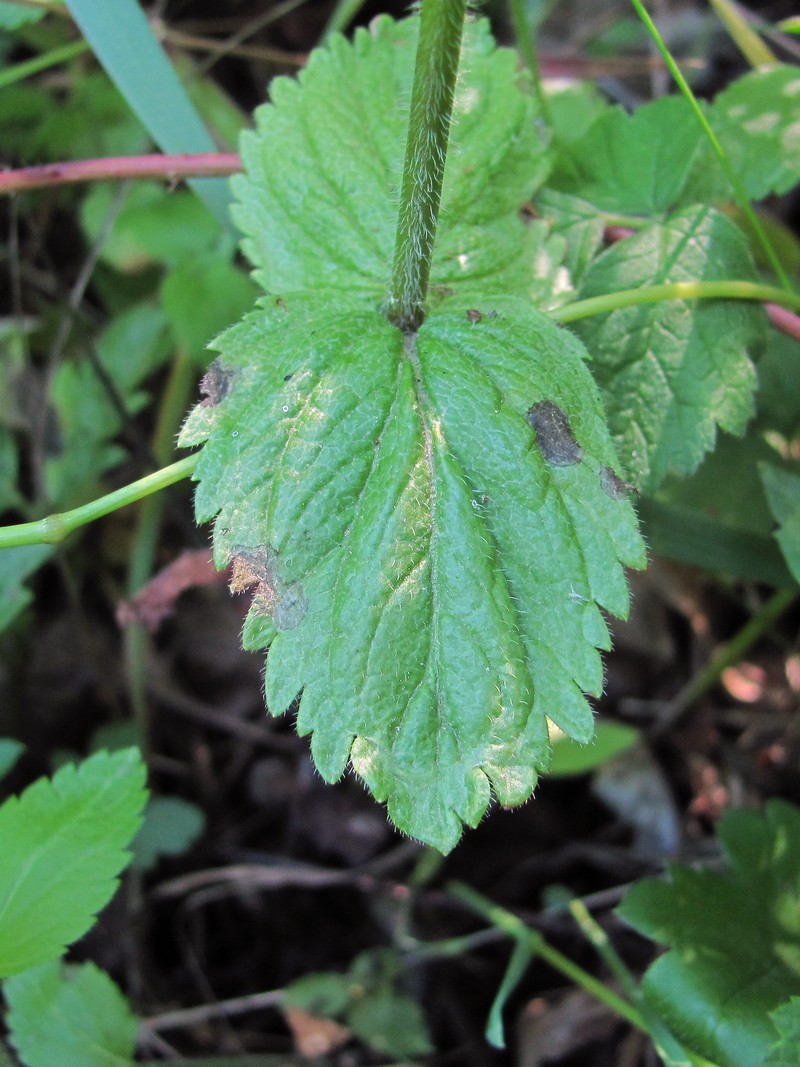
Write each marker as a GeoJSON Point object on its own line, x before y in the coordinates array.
{"type": "Point", "coordinates": [56, 528]}
{"type": "Point", "coordinates": [28, 67]}
{"type": "Point", "coordinates": [148, 529]}
{"type": "Point", "coordinates": [741, 193]}
{"type": "Point", "coordinates": [669, 1049]}
{"type": "Point", "coordinates": [654, 294]}
{"type": "Point", "coordinates": [728, 655]}
{"type": "Point", "coordinates": [524, 35]}
{"type": "Point", "coordinates": [518, 931]}
{"type": "Point", "coordinates": [438, 51]}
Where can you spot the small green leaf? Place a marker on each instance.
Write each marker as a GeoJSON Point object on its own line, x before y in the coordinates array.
{"type": "Point", "coordinates": [756, 121]}
{"type": "Point", "coordinates": [10, 751]}
{"type": "Point", "coordinates": [428, 555]}
{"type": "Point", "coordinates": [578, 223]}
{"type": "Point", "coordinates": [672, 373]}
{"type": "Point", "coordinates": [624, 163]}
{"type": "Point", "coordinates": [61, 848]}
{"type": "Point", "coordinates": [369, 1000]}
{"type": "Point", "coordinates": [69, 1015]}
{"type": "Point", "coordinates": [610, 739]}
{"type": "Point", "coordinates": [729, 965]}
{"type": "Point", "coordinates": [171, 826]}
{"type": "Point", "coordinates": [12, 16]}
{"type": "Point", "coordinates": [318, 202]}
{"type": "Point", "coordinates": [786, 1051]}
{"type": "Point", "coordinates": [202, 296]}
{"type": "Point", "coordinates": [783, 492]}
{"type": "Point", "coordinates": [85, 417]}
{"type": "Point", "coordinates": [17, 564]}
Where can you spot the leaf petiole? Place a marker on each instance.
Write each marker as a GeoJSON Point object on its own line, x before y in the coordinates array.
{"type": "Point", "coordinates": [654, 294]}
{"type": "Point", "coordinates": [54, 529]}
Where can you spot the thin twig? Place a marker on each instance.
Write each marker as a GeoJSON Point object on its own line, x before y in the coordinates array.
{"type": "Point", "coordinates": [168, 168]}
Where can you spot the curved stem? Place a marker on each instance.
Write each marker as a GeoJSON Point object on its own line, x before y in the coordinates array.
{"type": "Point", "coordinates": [56, 528]}
{"type": "Point", "coordinates": [654, 294]}
{"type": "Point", "coordinates": [168, 168]}
{"type": "Point", "coordinates": [516, 929]}
{"type": "Point", "coordinates": [741, 193]}
{"type": "Point", "coordinates": [438, 51]}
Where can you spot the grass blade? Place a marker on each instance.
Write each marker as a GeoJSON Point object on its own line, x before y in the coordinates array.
{"type": "Point", "coordinates": [123, 42]}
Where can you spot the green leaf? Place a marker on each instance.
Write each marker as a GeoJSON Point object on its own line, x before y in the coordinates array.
{"type": "Point", "coordinates": [368, 998]}
{"type": "Point", "coordinates": [729, 965]}
{"type": "Point", "coordinates": [17, 564]}
{"type": "Point", "coordinates": [154, 226]}
{"type": "Point", "coordinates": [202, 296]}
{"type": "Point", "coordinates": [786, 1051]}
{"type": "Point", "coordinates": [672, 373]}
{"type": "Point", "coordinates": [171, 826]}
{"type": "Point", "coordinates": [318, 203]}
{"type": "Point", "coordinates": [778, 396]}
{"type": "Point", "coordinates": [624, 163]}
{"type": "Point", "coordinates": [755, 120]}
{"type": "Point", "coordinates": [123, 42]}
{"type": "Point", "coordinates": [10, 751]}
{"type": "Point", "coordinates": [578, 223]}
{"type": "Point", "coordinates": [783, 492]}
{"type": "Point", "coordinates": [91, 120]}
{"type": "Point", "coordinates": [62, 848]}
{"type": "Point", "coordinates": [12, 16]}
{"type": "Point", "coordinates": [428, 568]}
{"type": "Point", "coordinates": [69, 1015]}
{"type": "Point", "coordinates": [86, 417]}
{"type": "Point", "coordinates": [610, 739]}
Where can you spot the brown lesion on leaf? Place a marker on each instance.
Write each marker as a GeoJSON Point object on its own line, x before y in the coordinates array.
{"type": "Point", "coordinates": [216, 383]}
{"type": "Point", "coordinates": [554, 434]}
{"type": "Point", "coordinates": [257, 570]}
{"type": "Point", "coordinates": [614, 486]}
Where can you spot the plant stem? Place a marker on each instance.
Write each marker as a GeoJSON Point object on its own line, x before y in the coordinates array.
{"type": "Point", "coordinates": [668, 1047]}
{"type": "Point", "coordinates": [516, 929]}
{"type": "Point", "coordinates": [56, 528]}
{"type": "Point", "coordinates": [438, 51]}
{"type": "Point", "coordinates": [522, 31]}
{"type": "Point", "coordinates": [20, 71]}
{"type": "Point", "coordinates": [728, 656]}
{"type": "Point", "coordinates": [654, 294]}
{"type": "Point", "coordinates": [145, 543]}
{"type": "Point", "coordinates": [741, 193]}
{"type": "Point", "coordinates": [168, 168]}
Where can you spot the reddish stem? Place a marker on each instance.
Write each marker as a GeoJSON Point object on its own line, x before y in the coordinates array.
{"type": "Point", "coordinates": [782, 319]}
{"type": "Point", "coordinates": [169, 168]}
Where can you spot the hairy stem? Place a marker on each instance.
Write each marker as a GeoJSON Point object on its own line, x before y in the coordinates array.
{"type": "Point", "coordinates": [438, 51]}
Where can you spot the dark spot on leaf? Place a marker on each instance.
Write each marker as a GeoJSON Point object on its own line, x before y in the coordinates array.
{"type": "Point", "coordinates": [474, 315]}
{"type": "Point", "coordinates": [216, 384]}
{"type": "Point", "coordinates": [613, 485]}
{"type": "Point", "coordinates": [288, 377]}
{"type": "Point", "coordinates": [554, 434]}
{"type": "Point", "coordinates": [280, 303]}
{"type": "Point", "coordinates": [257, 569]}
{"type": "Point", "coordinates": [290, 608]}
